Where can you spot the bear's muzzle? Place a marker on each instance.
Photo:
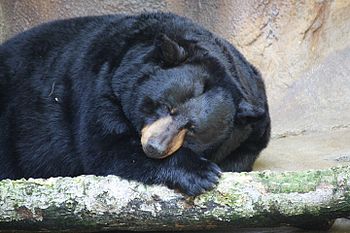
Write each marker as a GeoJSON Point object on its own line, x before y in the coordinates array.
{"type": "Point", "coordinates": [162, 138]}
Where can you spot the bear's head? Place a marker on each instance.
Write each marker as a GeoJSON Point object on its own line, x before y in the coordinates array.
{"type": "Point", "coordinates": [182, 93]}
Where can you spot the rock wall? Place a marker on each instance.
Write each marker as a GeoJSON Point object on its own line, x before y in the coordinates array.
{"type": "Point", "coordinates": [301, 47]}
{"type": "Point", "coordinates": [2, 23]}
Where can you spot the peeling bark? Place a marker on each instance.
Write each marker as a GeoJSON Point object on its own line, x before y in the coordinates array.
{"type": "Point", "coordinates": [256, 199]}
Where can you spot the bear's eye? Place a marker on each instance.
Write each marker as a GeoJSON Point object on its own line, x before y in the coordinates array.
{"type": "Point", "coordinates": [164, 108]}
{"type": "Point", "coordinates": [167, 107]}
{"type": "Point", "coordinates": [191, 128]}
{"type": "Point", "coordinates": [173, 112]}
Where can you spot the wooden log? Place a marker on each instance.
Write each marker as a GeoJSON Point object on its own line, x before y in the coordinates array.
{"type": "Point", "coordinates": [257, 199]}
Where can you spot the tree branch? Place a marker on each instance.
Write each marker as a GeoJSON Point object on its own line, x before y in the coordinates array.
{"type": "Point", "coordinates": [256, 199]}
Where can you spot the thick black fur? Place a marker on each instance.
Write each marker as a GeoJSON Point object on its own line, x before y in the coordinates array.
{"type": "Point", "coordinates": [74, 95]}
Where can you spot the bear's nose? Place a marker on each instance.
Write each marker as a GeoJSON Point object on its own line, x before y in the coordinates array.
{"type": "Point", "coordinates": [162, 138]}
{"type": "Point", "coordinates": [154, 149]}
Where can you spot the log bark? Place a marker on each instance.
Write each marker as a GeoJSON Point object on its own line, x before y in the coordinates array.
{"type": "Point", "coordinates": [257, 199]}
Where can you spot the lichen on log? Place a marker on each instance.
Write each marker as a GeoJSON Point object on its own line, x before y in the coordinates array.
{"type": "Point", "coordinates": [257, 199]}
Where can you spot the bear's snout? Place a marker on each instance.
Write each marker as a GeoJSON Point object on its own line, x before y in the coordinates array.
{"type": "Point", "coordinates": [162, 138]}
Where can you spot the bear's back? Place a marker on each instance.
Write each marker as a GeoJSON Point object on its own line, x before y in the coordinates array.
{"type": "Point", "coordinates": [40, 41]}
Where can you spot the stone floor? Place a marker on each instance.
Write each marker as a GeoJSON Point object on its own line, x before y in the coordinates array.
{"type": "Point", "coordinates": [309, 151]}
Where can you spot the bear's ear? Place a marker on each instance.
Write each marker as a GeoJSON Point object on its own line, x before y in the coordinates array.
{"type": "Point", "coordinates": [248, 113]}
{"type": "Point", "coordinates": [170, 51]}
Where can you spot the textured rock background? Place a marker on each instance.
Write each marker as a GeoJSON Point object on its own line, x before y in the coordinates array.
{"type": "Point", "coordinates": [301, 47]}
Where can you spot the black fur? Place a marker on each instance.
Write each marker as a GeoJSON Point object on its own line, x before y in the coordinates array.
{"type": "Point", "coordinates": [74, 95]}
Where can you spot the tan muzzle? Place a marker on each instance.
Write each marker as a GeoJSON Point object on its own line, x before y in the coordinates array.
{"type": "Point", "coordinates": [162, 138]}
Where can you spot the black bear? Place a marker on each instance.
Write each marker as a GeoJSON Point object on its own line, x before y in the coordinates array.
{"type": "Point", "coordinates": [152, 97]}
